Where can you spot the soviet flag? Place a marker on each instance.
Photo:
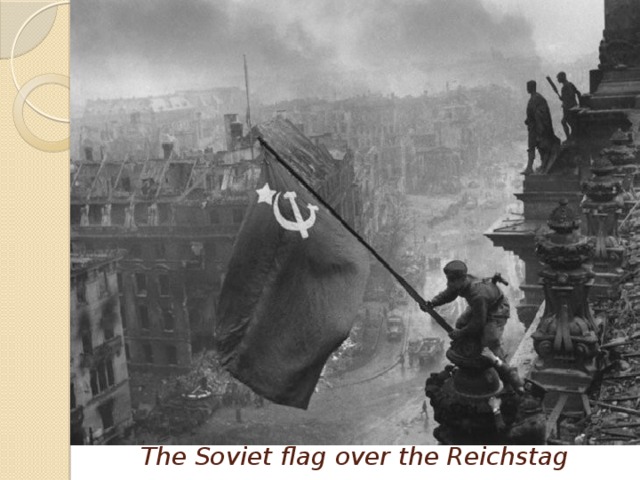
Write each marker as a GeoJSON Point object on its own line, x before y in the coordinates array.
{"type": "Point", "coordinates": [295, 280]}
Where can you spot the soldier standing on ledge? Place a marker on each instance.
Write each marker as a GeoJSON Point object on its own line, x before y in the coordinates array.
{"type": "Point", "coordinates": [485, 317]}
{"type": "Point", "coordinates": [488, 309]}
{"type": "Point", "coordinates": [570, 97]}
{"type": "Point", "coordinates": [541, 134]}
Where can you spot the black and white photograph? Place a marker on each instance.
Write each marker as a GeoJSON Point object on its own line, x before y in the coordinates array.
{"type": "Point", "coordinates": [363, 222]}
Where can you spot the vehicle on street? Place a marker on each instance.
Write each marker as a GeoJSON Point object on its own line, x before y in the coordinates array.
{"type": "Point", "coordinates": [395, 326]}
{"type": "Point", "coordinates": [425, 350]}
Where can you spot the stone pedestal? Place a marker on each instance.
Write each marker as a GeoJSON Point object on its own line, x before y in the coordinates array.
{"type": "Point", "coordinates": [476, 405]}
{"type": "Point", "coordinates": [603, 208]}
{"type": "Point", "coordinates": [566, 338]}
{"type": "Point", "coordinates": [541, 194]}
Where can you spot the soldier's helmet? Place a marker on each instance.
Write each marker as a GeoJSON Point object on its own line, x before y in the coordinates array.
{"type": "Point", "coordinates": [455, 270]}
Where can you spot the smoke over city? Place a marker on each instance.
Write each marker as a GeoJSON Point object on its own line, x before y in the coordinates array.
{"type": "Point", "coordinates": [330, 48]}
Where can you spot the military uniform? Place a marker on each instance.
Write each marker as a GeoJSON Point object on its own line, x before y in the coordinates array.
{"type": "Point", "coordinates": [488, 310]}
{"type": "Point", "coordinates": [569, 96]}
{"type": "Point", "coordinates": [540, 128]}
{"type": "Point", "coordinates": [539, 124]}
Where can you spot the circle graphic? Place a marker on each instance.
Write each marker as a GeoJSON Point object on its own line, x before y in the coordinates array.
{"type": "Point", "coordinates": [12, 18]}
{"type": "Point", "coordinates": [18, 113]}
{"type": "Point", "coordinates": [13, 73]}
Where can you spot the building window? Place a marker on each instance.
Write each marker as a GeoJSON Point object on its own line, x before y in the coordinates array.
{"type": "Point", "coordinates": [169, 320]}
{"type": "Point", "coordinates": [81, 290]}
{"type": "Point", "coordinates": [160, 251]}
{"type": "Point", "coordinates": [148, 352]}
{"type": "Point", "coordinates": [87, 344]}
{"type": "Point", "coordinates": [106, 414]}
{"type": "Point", "coordinates": [163, 281]}
{"type": "Point", "coordinates": [214, 217]}
{"type": "Point", "coordinates": [95, 386]}
{"type": "Point", "coordinates": [111, 379]}
{"type": "Point", "coordinates": [135, 251]}
{"type": "Point", "coordinates": [73, 396]}
{"type": "Point", "coordinates": [102, 377]}
{"type": "Point", "coordinates": [172, 355]}
{"type": "Point", "coordinates": [75, 214]}
{"type": "Point", "coordinates": [194, 318]}
{"type": "Point", "coordinates": [141, 283]}
{"type": "Point", "coordinates": [95, 214]}
{"type": "Point", "coordinates": [237, 215]}
{"type": "Point", "coordinates": [103, 289]}
{"type": "Point", "coordinates": [123, 312]}
{"type": "Point", "coordinates": [108, 332]}
{"type": "Point", "coordinates": [210, 251]}
{"type": "Point", "coordinates": [127, 354]}
{"type": "Point", "coordinates": [143, 314]}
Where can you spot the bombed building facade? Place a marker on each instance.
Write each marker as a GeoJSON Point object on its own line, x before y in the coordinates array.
{"type": "Point", "coordinates": [100, 393]}
{"type": "Point", "coordinates": [176, 217]}
{"type": "Point", "coordinates": [136, 127]}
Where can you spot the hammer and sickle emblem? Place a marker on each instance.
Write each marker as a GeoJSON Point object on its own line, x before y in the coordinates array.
{"type": "Point", "coordinates": [300, 225]}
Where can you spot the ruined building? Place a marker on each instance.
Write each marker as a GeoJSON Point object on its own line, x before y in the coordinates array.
{"type": "Point", "coordinates": [135, 126]}
{"type": "Point", "coordinates": [100, 397]}
{"type": "Point", "coordinates": [177, 217]}
{"type": "Point", "coordinates": [422, 144]}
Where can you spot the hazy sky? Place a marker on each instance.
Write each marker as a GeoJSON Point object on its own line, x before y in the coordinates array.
{"type": "Point", "coordinates": [296, 47]}
{"type": "Point", "coordinates": [566, 28]}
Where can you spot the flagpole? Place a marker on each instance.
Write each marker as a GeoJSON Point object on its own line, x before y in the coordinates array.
{"type": "Point", "coordinates": [408, 288]}
{"type": "Point", "coordinates": [246, 86]}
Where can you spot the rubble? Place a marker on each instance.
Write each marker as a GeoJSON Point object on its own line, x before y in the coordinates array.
{"type": "Point", "coordinates": [616, 414]}
{"type": "Point", "coordinates": [185, 401]}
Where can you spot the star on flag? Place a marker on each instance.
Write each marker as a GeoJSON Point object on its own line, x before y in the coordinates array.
{"type": "Point", "coordinates": [265, 194]}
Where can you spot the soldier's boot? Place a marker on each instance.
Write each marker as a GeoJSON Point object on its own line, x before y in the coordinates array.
{"type": "Point", "coordinates": [508, 374]}
{"type": "Point", "coordinates": [544, 161]}
{"type": "Point", "coordinates": [530, 159]}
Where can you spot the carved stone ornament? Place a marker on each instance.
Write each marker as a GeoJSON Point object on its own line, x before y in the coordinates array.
{"type": "Point", "coordinates": [566, 334]}
{"type": "Point", "coordinates": [603, 186]}
{"type": "Point", "coordinates": [564, 248]}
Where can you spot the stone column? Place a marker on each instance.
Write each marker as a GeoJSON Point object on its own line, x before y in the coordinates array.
{"type": "Point", "coordinates": [129, 217]}
{"type": "Point", "coordinates": [566, 339]}
{"type": "Point", "coordinates": [603, 207]}
{"type": "Point", "coordinates": [622, 153]}
{"type": "Point", "coordinates": [106, 215]}
{"type": "Point", "coordinates": [480, 401]}
{"type": "Point", "coordinates": [619, 39]}
{"type": "Point", "coordinates": [84, 215]}
{"type": "Point", "coordinates": [152, 214]}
